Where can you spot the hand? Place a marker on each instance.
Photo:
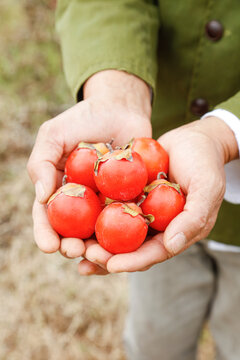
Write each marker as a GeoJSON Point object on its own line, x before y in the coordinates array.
{"type": "Point", "coordinates": [198, 152]}
{"type": "Point", "coordinates": [117, 105]}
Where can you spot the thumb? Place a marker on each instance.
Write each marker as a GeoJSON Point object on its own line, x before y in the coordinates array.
{"type": "Point", "coordinates": [44, 178]}
{"type": "Point", "coordinates": [42, 163]}
{"type": "Point", "coordinates": [193, 224]}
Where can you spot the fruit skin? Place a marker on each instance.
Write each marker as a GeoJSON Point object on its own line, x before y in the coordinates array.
{"type": "Point", "coordinates": [164, 202]}
{"type": "Point", "coordinates": [154, 156]}
{"type": "Point", "coordinates": [119, 232]}
{"type": "Point", "coordinates": [73, 215]}
{"type": "Point", "coordinates": [79, 166]}
{"type": "Point", "coordinates": [121, 178]}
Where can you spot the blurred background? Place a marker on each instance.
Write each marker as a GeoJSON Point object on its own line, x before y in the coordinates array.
{"type": "Point", "coordinates": [47, 311]}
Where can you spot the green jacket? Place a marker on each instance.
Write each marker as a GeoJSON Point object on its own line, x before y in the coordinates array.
{"type": "Point", "coordinates": [192, 63]}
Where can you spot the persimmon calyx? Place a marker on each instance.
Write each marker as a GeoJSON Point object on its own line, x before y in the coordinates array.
{"type": "Point", "coordinates": [84, 145]}
{"type": "Point", "coordinates": [161, 182]}
{"type": "Point", "coordinates": [119, 155]}
{"type": "Point", "coordinates": [70, 189]}
{"type": "Point", "coordinates": [108, 201]}
{"type": "Point", "coordinates": [128, 210]}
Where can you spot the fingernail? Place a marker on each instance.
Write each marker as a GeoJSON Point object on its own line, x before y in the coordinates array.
{"type": "Point", "coordinates": [40, 192]}
{"type": "Point", "coordinates": [176, 243]}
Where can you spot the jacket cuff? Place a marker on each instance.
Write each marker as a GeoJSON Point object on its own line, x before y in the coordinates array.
{"type": "Point", "coordinates": [99, 35]}
{"type": "Point", "coordinates": [122, 65]}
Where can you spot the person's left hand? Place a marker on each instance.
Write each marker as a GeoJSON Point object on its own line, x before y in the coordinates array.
{"type": "Point", "coordinates": [197, 152]}
{"type": "Point", "coordinates": [116, 105]}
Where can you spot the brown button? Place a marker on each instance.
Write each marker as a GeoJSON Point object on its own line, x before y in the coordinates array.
{"type": "Point", "coordinates": [199, 106]}
{"type": "Point", "coordinates": [214, 30]}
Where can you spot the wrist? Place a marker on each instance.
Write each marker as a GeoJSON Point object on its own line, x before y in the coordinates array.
{"type": "Point", "coordinates": [223, 135]}
{"type": "Point", "coordinates": [120, 87]}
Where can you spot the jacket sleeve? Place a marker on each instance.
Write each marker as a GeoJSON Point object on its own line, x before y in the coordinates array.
{"type": "Point", "coordinates": [97, 35]}
{"type": "Point", "coordinates": [232, 104]}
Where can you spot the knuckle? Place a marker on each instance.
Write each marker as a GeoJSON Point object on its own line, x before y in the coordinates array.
{"type": "Point", "coordinates": [209, 227]}
{"type": "Point", "coordinates": [31, 168]}
{"type": "Point", "coordinates": [222, 189]}
{"type": "Point", "coordinates": [45, 128]}
{"type": "Point", "coordinates": [210, 224]}
{"type": "Point", "coordinates": [202, 221]}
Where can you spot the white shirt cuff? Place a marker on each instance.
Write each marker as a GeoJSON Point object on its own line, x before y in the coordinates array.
{"type": "Point", "coordinates": [230, 119]}
{"type": "Point", "coordinates": [217, 246]}
{"type": "Point", "coordinates": [232, 169]}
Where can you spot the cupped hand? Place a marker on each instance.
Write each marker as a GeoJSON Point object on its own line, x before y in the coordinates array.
{"type": "Point", "coordinates": [117, 106]}
{"type": "Point", "coordinates": [197, 152]}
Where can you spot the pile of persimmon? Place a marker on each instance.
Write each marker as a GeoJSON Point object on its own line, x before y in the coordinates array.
{"type": "Point", "coordinates": [115, 194]}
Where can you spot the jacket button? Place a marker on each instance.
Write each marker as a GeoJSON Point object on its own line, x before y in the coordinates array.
{"type": "Point", "coordinates": [199, 107]}
{"type": "Point", "coordinates": [214, 30]}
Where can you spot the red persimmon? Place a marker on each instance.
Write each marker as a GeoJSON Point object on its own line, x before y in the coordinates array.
{"type": "Point", "coordinates": [80, 163]}
{"type": "Point", "coordinates": [121, 228]}
{"type": "Point", "coordinates": [153, 154]}
{"type": "Point", "coordinates": [121, 174]}
{"type": "Point", "coordinates": [164, 201]}
{"type": "Point", "coordinates": [73, 211]}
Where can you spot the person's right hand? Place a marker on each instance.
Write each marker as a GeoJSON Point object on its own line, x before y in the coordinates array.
{"type": "Point", "coordinates": [117, 106]}
{"type": "Point", "coordinates": [197, 153]}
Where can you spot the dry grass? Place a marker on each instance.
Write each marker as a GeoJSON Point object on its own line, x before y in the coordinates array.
{"type": "Point", "coordinates": [47, 310]}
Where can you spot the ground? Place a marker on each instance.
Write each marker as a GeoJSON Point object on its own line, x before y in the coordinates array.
{"type": "Point", "coordinates": [47, 310]}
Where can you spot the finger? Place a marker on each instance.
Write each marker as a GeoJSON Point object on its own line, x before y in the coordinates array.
{"type": "Point", "coordinates": [86, 267]}
{"type": "Point", "coordinates": [45, 237]}
{"type": "Point", "coordinates": [72, 247]}
{"type": "Point", "coordinates": [149, 253]}
{"type": "Point", "coordinates": [195, 222]}
{"type": "Point", "coordinates": [47, 152]}
{"type": "Point", "coordinates": [96, 254]}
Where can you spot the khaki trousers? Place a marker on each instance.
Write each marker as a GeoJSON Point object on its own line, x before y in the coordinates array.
{"type": "Point", "coordinates": [170, 302]}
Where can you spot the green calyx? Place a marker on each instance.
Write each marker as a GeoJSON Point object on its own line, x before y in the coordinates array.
{"type": "Point", "coordinates": [84, 145]}
{"type": "Point", "coordinates": [109, 201]}
{"type": "Point", "coordinates": [156, 183]}
{"type": "Point", "coordinates": [128, 210]}
{"type": "Point", "coordinates": [123, 154]}
{"type": "Point", "coordinates": [70, 189]}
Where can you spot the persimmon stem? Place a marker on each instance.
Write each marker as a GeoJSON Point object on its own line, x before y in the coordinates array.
{"type": "Point", "coordinates": [109, 146]}
{"type": "Point", "coordinates": [161, 173]}
{"type": "Point", "coordinates": [142, 199]}
{"type": "Point", "coordinates": [64, 180]}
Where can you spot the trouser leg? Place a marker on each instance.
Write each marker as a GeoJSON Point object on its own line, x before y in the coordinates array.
{"type": "Point", "coordinates": [225, 314]}
{"type": "Point", "coordinates": [168, 305]}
